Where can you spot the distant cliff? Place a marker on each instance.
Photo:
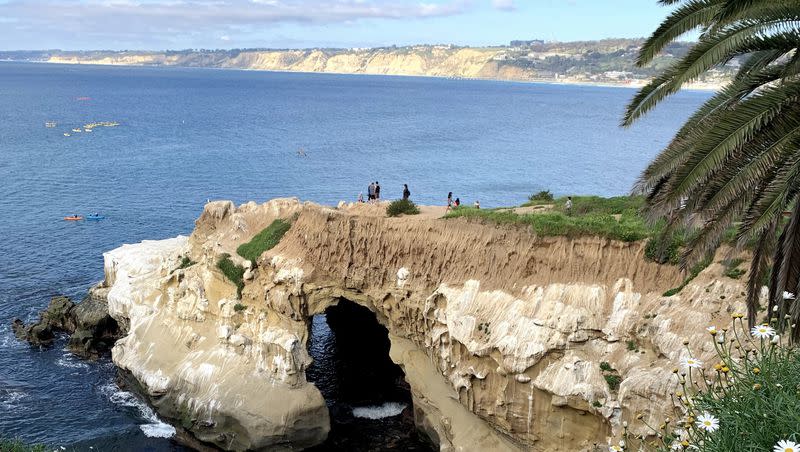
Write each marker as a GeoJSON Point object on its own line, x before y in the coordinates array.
{"type": "Point", "coordinates": [603, 62]}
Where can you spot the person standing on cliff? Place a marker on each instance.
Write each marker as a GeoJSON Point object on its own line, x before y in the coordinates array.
{"type": "Point", "coordinates": [406, 192]}
{"type": "Point", "coordinates": [377, 191]}
{"type": "Point", "coordinates": [568, 205]}
{"type": "Point", "coordinates": [371, 192]}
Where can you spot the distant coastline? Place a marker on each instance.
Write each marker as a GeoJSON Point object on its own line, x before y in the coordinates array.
{"type": "Point", "coordinates": [700, 86]}
{"type": "Point", "coordinates": [593, 63]}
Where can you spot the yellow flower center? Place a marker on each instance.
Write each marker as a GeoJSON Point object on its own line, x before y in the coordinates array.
{"type": "Point", "coordinates": [707, 423]}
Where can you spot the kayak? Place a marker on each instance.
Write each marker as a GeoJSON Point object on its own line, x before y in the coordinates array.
{"type": "Point", "coordinates": [74, 218]}
{"type": "Point", "coordinates": [95, 217]}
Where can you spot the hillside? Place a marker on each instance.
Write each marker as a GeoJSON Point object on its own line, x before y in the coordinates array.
{"type": "Point", "coordinates": [603, 62]}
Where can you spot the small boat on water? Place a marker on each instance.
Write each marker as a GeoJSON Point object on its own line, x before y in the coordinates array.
{"type": "Point", "coordinates": [77, 130]}
{"type": "Point", "coordinates": [95, 217]}
{"type": "Point", "coordinates": [73, 218]}
{"type": "Point", "coordinates": [66, 134]}
{"type": "Point", "coordinates": [50, 124]}
{"type": "Point", "coordinates": [87, 130]}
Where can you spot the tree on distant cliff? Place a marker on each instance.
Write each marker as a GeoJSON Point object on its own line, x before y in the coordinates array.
{"type": "Point", "coordinates": [736, 161]}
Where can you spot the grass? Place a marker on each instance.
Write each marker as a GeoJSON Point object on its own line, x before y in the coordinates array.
{"type": "Point", "coordinates": [402, 207]}
{"type": "Point", "coordinates": [16, 445]}
{"type": "Point", "coordinates": [234, 273]}
{"type": "Point", "coordinates": [629, 228]}
{"type": "Point", "coordinates": [264, 240]}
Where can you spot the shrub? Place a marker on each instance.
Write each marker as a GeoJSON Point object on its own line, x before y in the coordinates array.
{"type": "Point", "coordinates": [751, 394]}
{"type": "Point", "coordinates": [186, 262]}
{"type": "Point", "coordinates": [234, 273]}
{"type": "Point", "coordinates": [606, 367]}
{"type": "Point", "coordinates": [238, 307]}
{"type": "Point", "coordinates": [264, 240]}
{"type": "Point", "coordinates": [732, 269]}
{"type": "Point", "coordinates": [597, 404]}
{"type": "Point", "coordinates": [542, 196]}
{"type": "Point", "coordinates": [613, 381]}
{"type": "Point", "coordinates": [632, 346]}
{"type": "Point", "coordinates": [16, 445]}
{"type": "Point", "coordinates": [401, 207]}
{"type": "Point", "coordinates": [665, 248]}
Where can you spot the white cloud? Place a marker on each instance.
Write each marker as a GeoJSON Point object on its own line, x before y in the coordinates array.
{"type": "Point", "coordinates": [505, 5]}
{"type": "Point", "coordinates": [141, 21]}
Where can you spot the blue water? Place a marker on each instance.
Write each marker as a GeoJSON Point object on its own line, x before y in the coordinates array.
{"type": "Point", "coordinates": [188, 135]}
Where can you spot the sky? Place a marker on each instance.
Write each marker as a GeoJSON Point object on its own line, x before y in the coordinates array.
{"type": "Point", "coordinates": [223, 24]}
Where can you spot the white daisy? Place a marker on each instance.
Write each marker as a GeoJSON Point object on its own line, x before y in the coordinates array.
{"type": "Point", "coordinates": [691, 362]}
{"type": "Point", "coordinates": [615, 449]}
{"type": "Point", "coordinates": [786, 446]}
{"type": "Point", "coordinates": [676, 445]}
{"type": "Point", "coordinates": [707, 422]}
{"type": "Point", "coordinates": [788, 296]}
{"type": "Point", "coordinates": [762, 331]}
{"type": "Point", "coordinates": [712, 329]}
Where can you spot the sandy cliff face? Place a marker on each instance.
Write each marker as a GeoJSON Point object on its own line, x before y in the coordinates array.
{"type": "Point", "coordinates": [428, 61]}
{"type": "Point", "coordinates": [500, 333]}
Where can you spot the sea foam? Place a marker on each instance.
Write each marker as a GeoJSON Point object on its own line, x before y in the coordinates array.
{"type": "Point", "coordinates": [154, 427]}
{"type": "Point", "coordinates": [388, 409]}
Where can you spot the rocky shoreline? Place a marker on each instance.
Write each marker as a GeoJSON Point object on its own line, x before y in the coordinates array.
{"type": "Point", "coordinates": [500, 334]}
{"type": "Point", "coordinates": [92, 331]}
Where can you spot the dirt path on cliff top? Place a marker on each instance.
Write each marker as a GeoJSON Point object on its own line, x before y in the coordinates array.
{"type": "Point", "coordinates": [428, 212]}
{"type": "Point", "coordinates": [379, 210]}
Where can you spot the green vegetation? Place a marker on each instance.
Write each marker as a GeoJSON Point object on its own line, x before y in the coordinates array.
{"type": "Point", "coordinates": [632, 346]}
{"type": "Point", "coordinates": [732, 269]}
{"type": "Point", "coordinates": [16, 445]}
{"type": "Point", "coordinates": [186, 262]}
{"type": "Point", "coordinates": [610, 375]}
{"type": "Point", "coordinates": [238, 307]}
{"type": "Point", "coordinates": [613, 381]}
{"type": "Point", "coordinates": [234, 273]}
{"type": "Point", "coordinates": [747, 399]}
{"type": "Point", "coordinates": [614, 218]}
{"type": "Point", "coordinates": [597, 404]}
{"type": "Point", "coordinates": [401, 207]}
{"type": "Point", "coordinates": [543, 196]}
{"type": "Point", "coordinates": [264, 240]}
{"type": "Point", "coordinates": [693, 272]}
{"type": "Point", "coordinates": [734, 161]}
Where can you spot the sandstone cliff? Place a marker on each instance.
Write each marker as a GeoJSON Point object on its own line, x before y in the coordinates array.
{"type": "Point", "coordinates": [500, 333]}
{"type": "Point", "coordinates": [427, 61]}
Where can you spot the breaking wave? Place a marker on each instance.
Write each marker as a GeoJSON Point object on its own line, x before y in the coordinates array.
{"type": "Point", "coordinates": [154, 427]}
{"type": "Point", "coordinates": [388, 409]}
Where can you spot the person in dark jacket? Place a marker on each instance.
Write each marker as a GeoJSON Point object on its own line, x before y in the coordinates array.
{"type": "Point", "coordinates": [377, 191]}
{"type": "Point", "coordinates": [406, 192]}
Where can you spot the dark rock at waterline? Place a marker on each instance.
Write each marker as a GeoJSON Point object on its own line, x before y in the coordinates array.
{"type": "Point", "coordinates": [92, 331]}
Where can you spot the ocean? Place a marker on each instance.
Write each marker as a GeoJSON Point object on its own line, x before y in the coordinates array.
{"type": "Point", "coordinates": [189, 135]}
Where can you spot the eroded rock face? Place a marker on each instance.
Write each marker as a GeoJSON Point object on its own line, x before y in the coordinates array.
{"type": "Point", "coordinates": [500, 333]}
{"type": "Point", "coordinates": [92, 331]}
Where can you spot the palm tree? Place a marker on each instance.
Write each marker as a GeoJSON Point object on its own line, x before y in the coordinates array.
{"type": "Point", "coordinates": [736, 160]}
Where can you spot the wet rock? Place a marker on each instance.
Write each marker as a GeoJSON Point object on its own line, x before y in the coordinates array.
{"type": "Point", "coordinates": [92, 330]}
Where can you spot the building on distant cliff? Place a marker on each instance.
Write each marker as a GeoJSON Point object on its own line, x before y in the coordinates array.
{"type": "Point", "coordinates": [529, 43]}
